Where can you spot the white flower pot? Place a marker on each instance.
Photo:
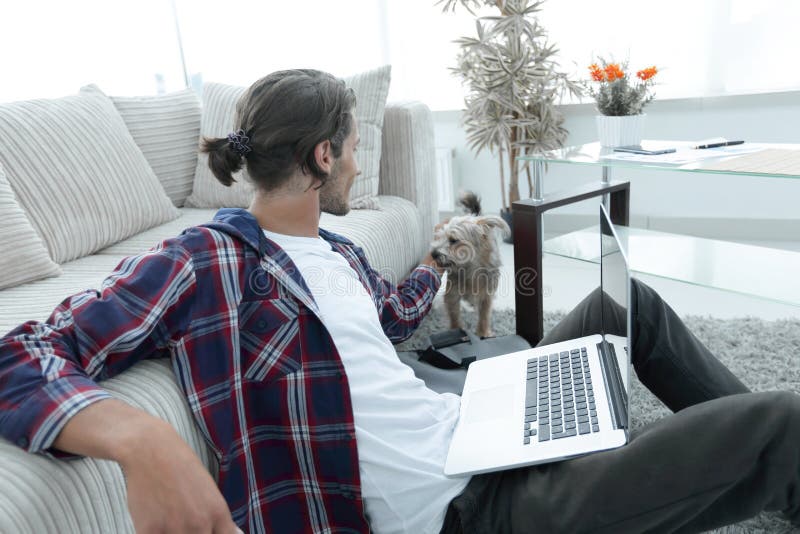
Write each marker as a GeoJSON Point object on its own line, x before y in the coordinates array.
{"type": "Point", "coordinates": [620, 131]}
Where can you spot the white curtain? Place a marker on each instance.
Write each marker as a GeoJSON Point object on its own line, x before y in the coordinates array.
{"type": "Point", "coordinates": [51, 48]}
{"type": "Point", "coordinates": [703, 48]}
{"type": "Point", "coordinates": [239, 42]}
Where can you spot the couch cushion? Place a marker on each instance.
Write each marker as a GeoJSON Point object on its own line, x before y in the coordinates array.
{"type": "Point", "coordinates": [391, 251]}
{"type": "Point", "coordinates": [78, 174]}
{"type": "Point", "coordinates": [371, 89]}
{"type": "Point", "coordinates": [36, 300]}
{"type": "Point", "coordinates": [150, 238]}
{"type": "Point", "coordinates": [167, 130]}
{"type": "Point", "coordinates": [219, 108]}
{"type": "Point", "coordinates": [23, 257]}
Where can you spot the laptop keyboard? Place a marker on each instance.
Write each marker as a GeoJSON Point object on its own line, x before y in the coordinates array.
{"type": "Point", "coordinates": [559, 397]}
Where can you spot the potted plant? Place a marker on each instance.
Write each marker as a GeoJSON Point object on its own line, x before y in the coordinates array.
{"type": "Point", "coordinates": [620, 100]}
{"type": "Point", "coordinates": [514, 83]}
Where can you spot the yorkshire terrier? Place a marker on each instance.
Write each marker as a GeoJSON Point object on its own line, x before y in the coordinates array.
{"type": "Point", "coordinates": [466, 247]}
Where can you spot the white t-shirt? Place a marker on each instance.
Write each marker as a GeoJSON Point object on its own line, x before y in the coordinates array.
{"type": "Point", "coordinates": [403, 429]}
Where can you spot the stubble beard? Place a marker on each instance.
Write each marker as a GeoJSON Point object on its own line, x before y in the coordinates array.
{"type": "Point", "coordinates": [333, 198]}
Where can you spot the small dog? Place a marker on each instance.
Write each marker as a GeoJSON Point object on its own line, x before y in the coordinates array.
{"type": "Point", "coordinates": [466, 247]}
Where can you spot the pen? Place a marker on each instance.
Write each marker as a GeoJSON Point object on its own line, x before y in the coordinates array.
{"type": "Point", "coordinates": [716, 145]}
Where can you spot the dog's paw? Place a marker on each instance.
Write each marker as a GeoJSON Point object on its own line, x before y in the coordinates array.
{"type": "Point", "coordinates": [485, 333]}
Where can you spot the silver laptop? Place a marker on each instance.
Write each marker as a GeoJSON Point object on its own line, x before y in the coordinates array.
{"type": "Point", "coordinates": [556, 401]}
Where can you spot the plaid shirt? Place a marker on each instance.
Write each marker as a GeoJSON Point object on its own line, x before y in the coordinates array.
{"type": "Point", "coordinates": [259, 370]}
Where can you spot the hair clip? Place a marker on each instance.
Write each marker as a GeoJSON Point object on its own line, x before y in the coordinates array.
{"type": "Point", "coordinates": [239, 141]}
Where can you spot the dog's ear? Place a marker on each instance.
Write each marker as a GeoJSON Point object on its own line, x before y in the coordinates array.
{"type": "Point", "coordinates": [493, 222]}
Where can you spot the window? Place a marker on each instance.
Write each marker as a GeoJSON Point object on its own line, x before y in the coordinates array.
{"type": "Point", "coordinates": [51, 48]}
{"type": "Point", "coordinates": [238, 43]}
{"type": "Point", "coordinates": [703, 48]}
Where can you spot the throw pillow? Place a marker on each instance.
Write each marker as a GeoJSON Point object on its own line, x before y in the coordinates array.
{"type": "Point", "coordinates": [219, 107]}
{"type": "Point", "coordinates": [371, 88]}
{"type": "Point", "coordinates": [167, 130]}
{"type": "Point", "coordinates": [23, 257]}
{"type": "Point", "coordinates": [78, 174]}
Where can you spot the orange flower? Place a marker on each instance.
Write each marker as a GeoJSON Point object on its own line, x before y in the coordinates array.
{"type": "Point", "coordinates": [613, 72]}
{"type": "Point", "coordinates": [646, 74]}
{"type": "Point", "coordinates": [596, 73]}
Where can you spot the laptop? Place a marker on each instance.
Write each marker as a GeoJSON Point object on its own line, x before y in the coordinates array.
{"type": "Point", "coordinates": [552, 402]}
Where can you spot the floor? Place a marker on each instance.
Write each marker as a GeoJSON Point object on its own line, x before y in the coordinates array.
{"type": "Point", "coordinates": [567, 281]}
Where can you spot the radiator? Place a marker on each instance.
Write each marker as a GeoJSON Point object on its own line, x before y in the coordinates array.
{"type": "Point", "coordinates": [444, 178]}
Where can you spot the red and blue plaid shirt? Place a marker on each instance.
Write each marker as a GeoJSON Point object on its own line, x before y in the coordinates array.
{"type": "Point", "coordinates": [259, 370]}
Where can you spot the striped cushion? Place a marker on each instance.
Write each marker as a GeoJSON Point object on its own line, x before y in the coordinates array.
{"type": "Point", "coordinates": [78, 174]}
{"type": "Point", "coordinates": [219, 108]}
{"type": "Point", "coordinates": [167, 130]}
{"type": "Point", "coordinates": [36, 300]}
{"type": "Point", "coordinates": [371, 89]}
{"type": "Point", "coordinates": [391, 238]}
{"type": "Point", "coordinates": [391, 252]}
{"type": "Point", "coordinates": [149, 238]}
{"type": "Point", "coordinates": [408, 163]}
{"type": "Point", "coordinates": [22, 254]}
{"type": "Point", "coordinates": [41, 494]}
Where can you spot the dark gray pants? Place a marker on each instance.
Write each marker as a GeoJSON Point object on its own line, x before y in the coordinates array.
{"type": "Point", "coordinates": [724, 456]}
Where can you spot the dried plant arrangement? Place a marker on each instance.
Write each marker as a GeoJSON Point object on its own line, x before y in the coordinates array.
{"type": "Point", "coordinates": [514, 83]}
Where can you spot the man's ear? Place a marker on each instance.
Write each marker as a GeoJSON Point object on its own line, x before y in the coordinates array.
{"type": "Point", "coordinates": [323, 154]}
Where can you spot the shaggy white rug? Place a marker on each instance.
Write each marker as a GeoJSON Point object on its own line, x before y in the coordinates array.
{"type": "Point", "coordinates": [752, 348]}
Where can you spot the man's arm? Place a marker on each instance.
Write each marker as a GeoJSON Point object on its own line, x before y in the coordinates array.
{"type": "Point", "coordinates": [49, 397]}
{"type": "Point", "coordinates": [49, 371]}
{"type": "Point", "coordinates": [404, 306]}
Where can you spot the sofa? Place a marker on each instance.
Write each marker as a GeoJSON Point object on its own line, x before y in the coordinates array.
{"type": "Point", "coordinates": [89, 179]}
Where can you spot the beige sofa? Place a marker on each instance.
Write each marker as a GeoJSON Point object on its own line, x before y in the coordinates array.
{"type": "Point", "coordinates": [40, 494]}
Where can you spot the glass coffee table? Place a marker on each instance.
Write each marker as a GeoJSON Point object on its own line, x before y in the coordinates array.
{"type": "Point", "coordinates": [745, 269]}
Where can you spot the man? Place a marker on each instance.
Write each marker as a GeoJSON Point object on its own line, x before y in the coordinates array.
{"type": "Point", "coordinates": [280, 336]}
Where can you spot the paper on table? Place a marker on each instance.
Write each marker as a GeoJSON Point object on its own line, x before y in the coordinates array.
{"type": "Point", "coordinates": [769, 161]}
{"type": "Point", "coordinates": [685, 155]}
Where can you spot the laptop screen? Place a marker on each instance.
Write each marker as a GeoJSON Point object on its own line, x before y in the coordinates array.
{"type": "Point", "coordinates": [615, 283]}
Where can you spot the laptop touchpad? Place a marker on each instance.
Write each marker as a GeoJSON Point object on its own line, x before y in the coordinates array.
{"type": "Point", "coordinates": [491, 403]}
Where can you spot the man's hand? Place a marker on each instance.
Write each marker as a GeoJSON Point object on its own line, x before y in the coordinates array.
{"type": "Point", "coordinates": [169, 488]}
{"type": "Point", "coordinates": [428, 260]}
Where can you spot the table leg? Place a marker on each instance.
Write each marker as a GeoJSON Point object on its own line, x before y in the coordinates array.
{"type": "Point", "coordinates": [529, 242]}
{"type": "Point", "coordinates": [538, 180]}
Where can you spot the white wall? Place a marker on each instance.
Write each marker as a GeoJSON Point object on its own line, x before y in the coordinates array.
{"type": "Point", "coordinates": [715, 206]}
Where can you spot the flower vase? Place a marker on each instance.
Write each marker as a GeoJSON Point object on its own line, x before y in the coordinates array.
{"type": "Point", "coordinates": [620, 131]}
